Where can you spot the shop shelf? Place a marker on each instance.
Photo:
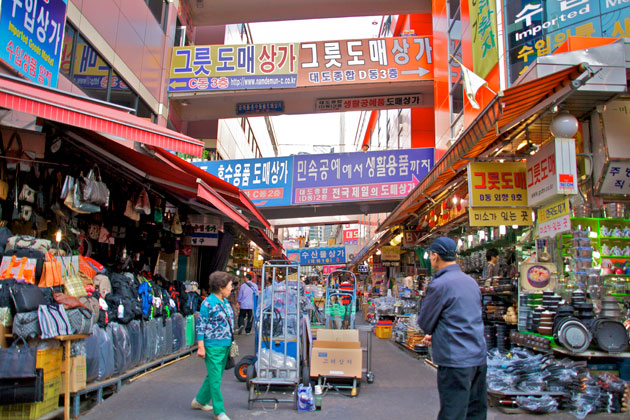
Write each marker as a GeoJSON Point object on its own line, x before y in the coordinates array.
{"type": "Point", "coordinates": [614, 238]}
{"type": "Point", "coordinates": [616, 256]}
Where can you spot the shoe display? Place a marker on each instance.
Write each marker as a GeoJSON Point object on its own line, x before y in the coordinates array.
{"type": "Point", "coordinates": [196, 405]}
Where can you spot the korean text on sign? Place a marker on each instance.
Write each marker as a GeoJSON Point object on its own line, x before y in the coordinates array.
{"type": "Point", "coordinates": [31, 32]}
{"type": "Point", "coordinates": [497, 184]}
{"type": "Point", "coordinates": [616, 180]}
{"type": "Point", "coordinates": [376, 102]}
{"type": "Point", "coordinates": [318, 256]}
{"type": "Point", "coordinates": [365, 61]}
{"type": "Point", "coordinates": [497, 216]}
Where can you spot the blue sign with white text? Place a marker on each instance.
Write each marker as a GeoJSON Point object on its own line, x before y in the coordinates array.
{"type": "Point", "coordinates": [318, 256]}
{"type": "Point", "coordinates": [31, 36]}
{"type": "Point", "coordinates": [266, 181]}
{"type": "Point", "coordinates": [378, 175]}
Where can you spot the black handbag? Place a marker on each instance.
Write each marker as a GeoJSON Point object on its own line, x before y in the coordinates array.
{"type": "Point", "coordinates": [22, 390]}
{"type": "Point", "coordinates": [26, 324]}
{"type": "Point", "coordinates": [27, 297]}
{"type": "Point", "coordinates": [80, 320]}
{"type": "Point", "coordinates": [18, 361]}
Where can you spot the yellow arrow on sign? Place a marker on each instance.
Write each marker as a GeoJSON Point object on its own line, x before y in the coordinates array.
{"type": "Point", "coordinates": [174, 84]}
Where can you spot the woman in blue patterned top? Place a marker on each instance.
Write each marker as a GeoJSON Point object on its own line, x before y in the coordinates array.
{"type": "Point", "coordinates": [214, 338]}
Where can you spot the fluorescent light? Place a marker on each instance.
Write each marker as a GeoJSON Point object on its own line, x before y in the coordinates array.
{"type": "Point", "coordinates": [470, 239]}
{"type": "Point", "coordinates": [378, 252]}
{"type": "Point", "coordinates": [482, 235]}
{"type": "Point", "coordinates": [58, 236]}
{"type": "Point", "coordinates": [502, 230]}
{"type": "Point", "coordinates": [523, 144]}
{"type": "Point", "coordinates": [454, 200]}
{"type": "Point", "coordinates": [426, 255]}
{"type": "Point", "coordinates": [460, 243]}
{"type": "Point", "coordinates": [515, 227]}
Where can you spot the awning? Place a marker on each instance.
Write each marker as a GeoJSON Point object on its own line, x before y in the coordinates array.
{"type": "Point", "coordinates": [229, 192]}
{"type": "Point", "coordinates": [186, 187]}
{"type": "Point", "coordinates": [90, 114]}
{"type": "Point", "coordinates": [506, 113]}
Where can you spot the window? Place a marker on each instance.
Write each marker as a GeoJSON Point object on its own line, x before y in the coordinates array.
{"type": "Point", "coordinates": [181, 39]}
{"type": "Point", "coordinates": [159, 10]}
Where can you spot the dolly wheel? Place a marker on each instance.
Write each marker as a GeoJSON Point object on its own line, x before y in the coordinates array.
{"type": "Point", "coordinates": [240, 370]}
{"type": "Point", "coordinates": [369, 377]}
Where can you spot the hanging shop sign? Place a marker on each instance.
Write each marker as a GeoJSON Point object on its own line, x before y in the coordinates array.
{"type": "Point", "coordinates": [550, 228]}
{"type": "Point", "coordinates": [368, 102]}
{"type": "Point", "coordinates": [233, 67]}
{"type": "Point", "coordinates": [492, 184]}
{"type": "Point", "coordinates": [411, 238]}
{"type": "Point", "coordinates": [31, 36]}
{"type": "Point", "coordinates": [616, 179]}
{"type": "Point", "coordinates": [318, 256]}
{"type": "Point", "coordinates": [363, 268]}
{"type": "Point", "coordinates": [266, 181]}
{"type": "Point", "coordinates": [551, 172]}
{"type": "Point", "coordinates": [616, 120]}
{"type": "Point", "coordinates": [260, 108]}
{"type": "Point", "coordinates": [327, 269]}
{"type": "Point", "coordinates": [202, 234]}
{"type": "Point", "coordinates": [365, 61]}
{"type": "Point", "coordinates": [553, 210]}
{"type": "Point", "coordinates": [537, 28]}
{"type": "Point", "coordinates": [350, 236]}
{"type": "Point", "coordinates": [379, 175]}
{"type": "Point", "coordinates": [390, 253]}
{"type": "Point", "coordinates": [483, 33]}
{"type": "Point", "coordinates": [497, 216]}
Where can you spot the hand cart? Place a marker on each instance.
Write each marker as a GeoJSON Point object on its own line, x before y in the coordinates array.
{"type": "Point", "coordinates": [279, 356]}
{"type": "Point", "coordinates": [341, 299]}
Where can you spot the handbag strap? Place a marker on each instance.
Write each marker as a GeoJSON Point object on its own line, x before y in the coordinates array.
{"type": "Point", "coordinates": [228, 321]}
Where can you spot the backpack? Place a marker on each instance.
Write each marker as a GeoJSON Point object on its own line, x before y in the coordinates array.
{"type": "Point", "coordinates": [174, 295]}
{"type": "Point", "coordinates": [146, 294]}
{"type": "Point", "coordinates": [158, 311]}
{"type": "Point", "coordinates": [121, 308]}
{"type": "Point", "coordinates": [166, 299]}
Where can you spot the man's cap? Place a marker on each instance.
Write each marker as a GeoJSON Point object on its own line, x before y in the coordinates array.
{"type": "Point", "coordinates": [445, 247]}
{"type": "Point", "coordinates": [248, 276]}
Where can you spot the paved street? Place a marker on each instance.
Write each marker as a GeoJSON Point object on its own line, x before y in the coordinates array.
{"type": "Point", "coordinates": [404, 389]}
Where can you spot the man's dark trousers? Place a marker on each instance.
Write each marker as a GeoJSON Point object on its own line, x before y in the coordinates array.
{"type": "Point", "coordinates": [241, 318]}
{"type": "Point", "coordinates": [463, 393]}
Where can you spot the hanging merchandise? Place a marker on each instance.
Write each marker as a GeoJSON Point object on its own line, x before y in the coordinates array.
{"type": "Point", "coordinates": [17, 158]}
{"type": "Point", "coordinates": [143, 205]}
{"type": "Point", "coordinates": [131, 212]}
{"type": "Point", "coordinates": [27, 194]}
{"type": "Point", "coordinates": [176, 225]}
{"type": "Point", "coordinates": [93, 231]}
{"type": "Point", "coordinates": [26, 212]}
{"type": "Point", "coordinates": [158, 211]}
{"type": "Point", "coordinates": [51, 274]}
{"type": "Point", "coordinates": [94, 190]}
{"type": "Point", "coordinates": [68, 186]}
{"type": "Point", "coordinates": [74, 201]}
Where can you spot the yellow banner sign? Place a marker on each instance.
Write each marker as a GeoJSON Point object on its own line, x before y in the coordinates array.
{"type": "Point", "coordinates": [495, 184]}
{"type": "Point", "coordinates": [390, 253]}
{"type": "Point", "coordinates": [483, 31]}
{"type": "Point", "coordinates": [497, 216]}
{"type": "Point", "coordinates": [553, 211]}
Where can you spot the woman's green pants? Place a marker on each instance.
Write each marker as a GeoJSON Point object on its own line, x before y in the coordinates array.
{"type": "Point", "coordinates": [210, 391]}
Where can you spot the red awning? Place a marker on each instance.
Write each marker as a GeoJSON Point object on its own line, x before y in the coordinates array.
{"type": "Point", "coordinates": [231, 193]}
{"type": "Point", "coordinates": [185, 186]}
{"type": "Point", "coordinates": [55, 105]}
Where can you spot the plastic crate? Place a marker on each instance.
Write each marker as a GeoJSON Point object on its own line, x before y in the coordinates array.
{"type": "Point", "coordinates": [383, 332]}
{"type": "Point", "coordinates": [52, 390]}
{"type": "Point", "coordinates": [50, 361]}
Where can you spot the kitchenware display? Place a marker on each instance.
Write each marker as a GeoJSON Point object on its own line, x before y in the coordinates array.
{"type": "Point", "coordinates": [626, 251]}
{"type": "Point", "coordinates": [581, 241]}
{"type": "Point", "coordinates": [581, 210]}
{"type": "Point", "coordinates": [617, 233]}
{"type": "Point", "coordinates": [604, 231]}
{"type": "Point", "coordinates": [615, 210]}
{"type": "Point", "coordinates": [583, 252]}
{"type": "Point", "coordinates": [610, 308]}
{"type": "Point", "coordinates": [616, 251]}
{"type": "Point", "coordinates": [626, 232]}
{"type": "Point", "coordinates": [610, 335]}
{"type": "Point", "coordinates": [490, 334]}
{"type": "Point", "coordinates": [572, 334]}
{"type": "Point", "coordinates": [619, 271]}
{"type": "Point", "coordinates": [605, 250]}
{"type": "Point", "coordinates": [581, 264]}
{"type": "Point", "coordinates": [626, 268]}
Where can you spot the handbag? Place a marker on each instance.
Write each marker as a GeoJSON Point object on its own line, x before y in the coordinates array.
{"type": "Point", "coordinates": [93, 231]}
{"type": "Point", "coordinates": [68, 302]}
{"type": "Point", "coordinates": [68, 186]}
{"type": "Point", "coordinates": [22, 390]}
{"type": "Point", "coordinates": [158, 212]}
{"type": "Point", "coordinates": [94, 189]}
{"type": "Point", "coordinates": [81, 320]}
{"type": "Point", "coordinates": [21, 269]}
{"type": "Point", "coordinates": [176, 226]}
{"type": "Point", "coordinates": [6, 317]}
{"type": "Point", "coordinates": [26, 241]}
{"type": "Point", "coordinates": [73, 283]}
{"type": "Point", "coordinates": [27, 194]}
{"type": "Point", "coordinates": [53, 320]}
{"type": "Point", "coordinates": [26, 297]}
{"type": "Point", "coordinates": [143, 205]}
{"type": "Point", "coordinates": [30, 253]}
{"type": "Point", "coordinates": [229, 364]}
{"type": "Point", "coordinates": [18, 361]}
{"type": "Point", "coordinates": [26, 324]}
{"type": "Point", "coordinates": [17, 158]}
{"type": "Point", "coordinates": [4, 185]}
{"type": "Point", "coordinates": [77, 204]}
{"type": "Point", "coordinates": [51, 273]}
{"type": "Point", "coordinates": [131, 212]}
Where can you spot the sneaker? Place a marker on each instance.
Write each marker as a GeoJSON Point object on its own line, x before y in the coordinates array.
{"type": "Point", "coordinates": [196, 405]}
{"type": "Point", "coordinates": [222, 416]}
{"type": "Point", "coordinates": [241, 330]}
{"type": "Point", "coordinates": [249, 333]}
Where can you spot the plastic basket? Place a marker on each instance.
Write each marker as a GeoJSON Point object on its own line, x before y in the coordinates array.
{"type": "Point", "coordinates": [50, 361]}
{"type": "Point", "coordinates": [383, 332]}
{"type": "Point", "coordinates": [35, 410]}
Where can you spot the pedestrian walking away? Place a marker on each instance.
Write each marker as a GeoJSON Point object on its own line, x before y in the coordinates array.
{"type": "Point", "coordinates": [452, 319]}
{"type": "Point", "coordinates": [214, 337]}
{"type": "Point", "coordinates": [245, 304]}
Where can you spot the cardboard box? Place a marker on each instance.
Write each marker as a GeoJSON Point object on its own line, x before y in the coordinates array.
{"type": "Point", "coordinates": [78, 374]}
{"type": "Point", "coordinates": [337, 353]}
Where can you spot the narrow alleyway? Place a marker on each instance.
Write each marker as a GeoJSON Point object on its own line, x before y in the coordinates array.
{"type": "Point", "coordinates": [404, 389]}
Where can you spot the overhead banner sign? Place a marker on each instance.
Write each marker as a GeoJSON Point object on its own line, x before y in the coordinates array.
{"type": "Point", "coordinates": [233, 67]}
{"type": "Point", "coordinates": [483, 32]}
{"type": "Point", "coordinates": [365, 61]}
{"type": "Point", "coordinates": [369, 102]}
{"type": "Point", "coordinates": [553, 211]}
{"type": "Point", "coordinates": [351, 236]}
{"type": "Point", "coordinates": [411, 238]}
{"type": "Point", "coordinates": [497, 216]}
{"type": "Point", "coordinates": [266, 181]}
{"type": "Point", "coordinates": [552, 171]}
{"type": "Point", "coordinates": [492, 184]}
{"type": "Point", "coordinates": [318, 256]}
{"type": "Point", "coordinates": [378, 175]}
{"type": "Point", "coordinates": [259, 108]}
{"type": "Point", "coordinates": [616, 179]}
{"type": "Point", "coordinates": [537, 28]}
{"type": "Point", "coordinates": [280, 66]}
{"type": "Point", "coordinates": [31, 36]}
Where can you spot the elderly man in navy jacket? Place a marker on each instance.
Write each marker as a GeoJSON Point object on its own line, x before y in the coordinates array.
{"type": "Point", "coordinates": [451, 318]}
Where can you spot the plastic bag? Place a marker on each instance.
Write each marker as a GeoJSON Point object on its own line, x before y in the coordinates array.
{"type": "Point", "coordinates": [160, 349]}
{"type": "Point", "coordinates": [539, 405]}
{"type": "Point", "coordinates": [168, 336]}
{"type": "Point", "coordinates": [122, 347]}
{"type": "Point", "coordinates": [178, 332]}
{"type": "Point", "coordinates": [106, 363]}
{"type": "Point", "coordinates": [137, 343]}
{"type": "Point", "coordinates": [277, 362]}
{"type": "Point", "coordinates": [92, 355]}
{"type": "Point", "coordinates": [305, 398]}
